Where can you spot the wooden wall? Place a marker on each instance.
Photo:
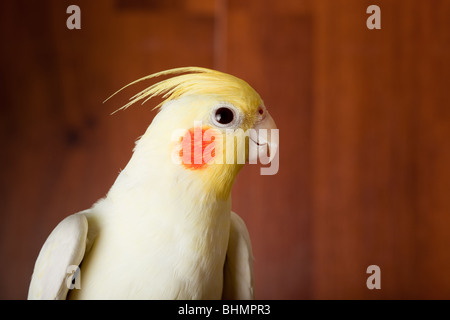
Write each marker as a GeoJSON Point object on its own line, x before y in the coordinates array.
{"type": "Point", "coordinates": [364, 120]}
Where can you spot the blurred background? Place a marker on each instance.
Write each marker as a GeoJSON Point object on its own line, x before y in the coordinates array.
{"type": "Point", "coordinates": [364, 119]}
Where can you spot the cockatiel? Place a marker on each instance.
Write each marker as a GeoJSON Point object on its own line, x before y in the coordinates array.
{"type": "Point", "coordinates": [165, 229]}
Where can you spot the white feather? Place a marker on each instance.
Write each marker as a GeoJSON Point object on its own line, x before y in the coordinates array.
{"type": "Point", "coordinates": [238, 269]}
{"type": "Point", "coordinates": [64, 247]}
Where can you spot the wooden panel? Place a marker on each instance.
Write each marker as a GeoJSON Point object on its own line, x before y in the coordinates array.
{"type": "Point", "coordinates": [363, 116]}
{"type": "Point", "coordinates": [375, 201]}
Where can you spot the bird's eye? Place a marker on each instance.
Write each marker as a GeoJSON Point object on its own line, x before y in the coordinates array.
{"type": "Point", "coordinates": [224, 115]}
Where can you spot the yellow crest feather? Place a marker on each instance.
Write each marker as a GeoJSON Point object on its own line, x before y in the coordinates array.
{"type": "Point", "coordinates": [196, 81]}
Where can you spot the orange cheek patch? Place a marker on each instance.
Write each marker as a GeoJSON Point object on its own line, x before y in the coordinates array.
{"type": "Point", "coordinates": [197, 148]}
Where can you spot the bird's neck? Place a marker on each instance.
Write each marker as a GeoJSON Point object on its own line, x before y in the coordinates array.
{"type": "Point", "coordinates": [150, 179]}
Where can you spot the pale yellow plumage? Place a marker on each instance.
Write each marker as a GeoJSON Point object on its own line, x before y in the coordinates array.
{"type": "Point", "coordinates": [165, 230]}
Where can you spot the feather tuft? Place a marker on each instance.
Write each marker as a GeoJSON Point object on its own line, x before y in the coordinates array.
{"type": "Point", "coordinates": [195, 81]}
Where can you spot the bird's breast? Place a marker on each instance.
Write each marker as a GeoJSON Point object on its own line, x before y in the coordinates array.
{"type": "Point", "coordinates": [156, 258]}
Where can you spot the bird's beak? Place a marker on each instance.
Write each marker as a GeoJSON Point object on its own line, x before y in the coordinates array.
{"type": "Point", "coordinates": [263, 140]}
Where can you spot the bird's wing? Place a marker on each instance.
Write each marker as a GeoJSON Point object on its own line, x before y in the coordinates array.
{"type": "Point", "coordinates": [238, 269]}
{"type": "Point", "coordinates": [63, 249]}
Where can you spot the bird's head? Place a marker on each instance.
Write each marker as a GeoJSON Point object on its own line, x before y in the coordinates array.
{"type": "Point", "coordinates": [207, 127]}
